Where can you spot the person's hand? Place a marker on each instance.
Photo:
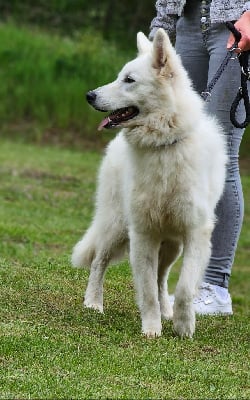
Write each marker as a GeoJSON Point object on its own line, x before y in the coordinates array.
{"type": "Point", "coordinates": [243, 26]}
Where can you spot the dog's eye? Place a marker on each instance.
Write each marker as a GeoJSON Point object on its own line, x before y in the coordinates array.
{"type": "Point", "coordinates": [128, 79]}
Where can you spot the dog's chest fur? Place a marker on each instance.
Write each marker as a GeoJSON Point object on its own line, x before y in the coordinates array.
{"type": "Point", "coordinates": [159, 196]}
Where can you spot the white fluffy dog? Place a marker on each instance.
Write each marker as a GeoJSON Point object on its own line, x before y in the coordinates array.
{"type": "Point", "coordinates": [159, 184]}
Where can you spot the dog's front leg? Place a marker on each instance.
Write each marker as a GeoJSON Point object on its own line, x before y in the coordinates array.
{"type": "Point", "coordinates": [195, 259]}
{"type": "Point", "coordinates": [144, 261]}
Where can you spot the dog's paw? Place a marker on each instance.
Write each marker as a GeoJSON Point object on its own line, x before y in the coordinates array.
{"type": "Point", "coordinates": [184, 326]}
{"type": "Point", "coordinates": [151, 331]}
{"type": "Point", "coordinates": [151, 334]}
{"type": "Point", "coordinates": [93, 306]}
{"type": "Point", "coordinates": [183, 330]}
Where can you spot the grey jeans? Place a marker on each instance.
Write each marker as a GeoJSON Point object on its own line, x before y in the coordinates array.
{"type": "Point", "coordinates": [202, 50]}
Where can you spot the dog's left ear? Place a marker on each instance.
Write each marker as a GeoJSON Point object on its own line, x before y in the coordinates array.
{"type": "Point", "coordinates": [143, 44]}
{"type": "Point", "coordinates": [162, 49]}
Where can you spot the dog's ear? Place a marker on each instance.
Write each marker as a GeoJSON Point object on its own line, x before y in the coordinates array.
{"type": "Point", "coordinates": [162, 50]}
{"type": "Point", "coordinates": [143, 44]}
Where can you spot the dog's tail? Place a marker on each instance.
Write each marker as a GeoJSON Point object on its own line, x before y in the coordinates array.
{"type": "Point", "coordinates": [84, 251]}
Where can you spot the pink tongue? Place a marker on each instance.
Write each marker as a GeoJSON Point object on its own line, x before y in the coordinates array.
{"type": "Point", "coordinates": [103, 123]}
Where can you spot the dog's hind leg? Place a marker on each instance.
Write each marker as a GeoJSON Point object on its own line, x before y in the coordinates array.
{"type": "Point", "coordinates": [94, 292]}
{"type": "Point", "coordinates": [106, 253]}
{"type": "Point", "coordinates": [197, 250]}
{"type": "Point", "coordinates": [169, 252]}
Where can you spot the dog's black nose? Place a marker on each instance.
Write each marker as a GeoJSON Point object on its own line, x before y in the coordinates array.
{"type": "Point", "coordinates": [91, 96]}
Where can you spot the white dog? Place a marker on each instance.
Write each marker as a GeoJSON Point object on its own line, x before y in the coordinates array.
{"type": "Point", "coordinates": [159, 184]}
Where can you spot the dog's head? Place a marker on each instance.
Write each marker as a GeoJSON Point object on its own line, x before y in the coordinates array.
{"type": "Point", "coordinates": [142, 85]}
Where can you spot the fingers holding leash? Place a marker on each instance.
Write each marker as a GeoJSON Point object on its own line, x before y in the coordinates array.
{"type": "Point", "coordinates": [243, 45]}
{"type": "Point", "coordinates": [239, 38]}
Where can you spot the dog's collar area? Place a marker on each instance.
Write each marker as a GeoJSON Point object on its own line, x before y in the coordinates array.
{"type": "Point", "coordinates": [174, 142]}
{"type": "Point", "coordinates": [164, 145]}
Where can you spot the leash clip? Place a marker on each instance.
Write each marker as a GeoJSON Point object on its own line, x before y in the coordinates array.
{"type": "Point", "coordinates": [206, 95]}
{"type": "Point", "coordinates": [234, 47]}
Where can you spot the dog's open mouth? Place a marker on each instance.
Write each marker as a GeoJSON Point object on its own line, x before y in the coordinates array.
{"type": "Point", "coordinates": [119, 116]}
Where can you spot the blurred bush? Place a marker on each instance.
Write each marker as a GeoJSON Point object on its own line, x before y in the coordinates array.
{"type": "Point", "coordinates": [53, 52]}
{"type": "Point", "coordinates": [117, 21]}
{"type": "Point", "coordinates": [44, 78]}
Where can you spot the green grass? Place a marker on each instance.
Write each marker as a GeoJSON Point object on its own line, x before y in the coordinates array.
{"type": "Point", "coordinates": [50, 348]}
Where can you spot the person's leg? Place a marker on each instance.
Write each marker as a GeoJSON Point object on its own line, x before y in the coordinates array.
{"type": "Point", "coordinates": [189, 45]}
{"type": "Point", "coordinates": [202, 51]}
{"type": "Point", "coordinates": [230, 208]}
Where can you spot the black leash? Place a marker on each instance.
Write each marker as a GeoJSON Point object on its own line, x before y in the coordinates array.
{"type": "Point", "coordinates": [245, 76]}
{"type": "Point", "coordinates": [207, 92]}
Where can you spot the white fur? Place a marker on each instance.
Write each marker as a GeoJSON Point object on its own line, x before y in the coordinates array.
{"type": "Point", "coordinates": [159, 184]}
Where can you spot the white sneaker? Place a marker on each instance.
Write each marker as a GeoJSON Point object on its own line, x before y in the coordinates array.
{"type": "Point", "coordinates": [210, 301]}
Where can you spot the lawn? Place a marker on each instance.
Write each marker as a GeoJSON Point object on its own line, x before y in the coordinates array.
{"type": "Point", "coordinates": [50, 348]}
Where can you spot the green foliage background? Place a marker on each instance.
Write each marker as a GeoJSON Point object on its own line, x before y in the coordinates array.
{"type": "Point", "coordinates": [114, 20]}
{"type": "Point", "coordinates": [52, 53]}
